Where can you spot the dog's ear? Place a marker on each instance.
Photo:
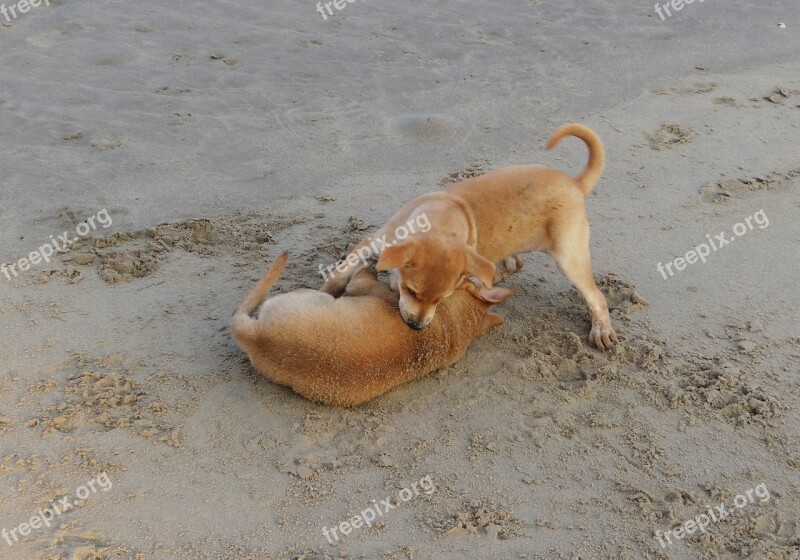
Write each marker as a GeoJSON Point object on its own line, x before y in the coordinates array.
{"type": "Point", "coordinates": [395, 256]}
{"type": "Point", "coordinates": [491, 320]}
{"type": "Point", "coordinates": [495, 295]}
{"type": "Point", "coordinates": [483, 269]}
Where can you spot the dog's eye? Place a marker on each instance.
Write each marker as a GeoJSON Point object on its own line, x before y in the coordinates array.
{"type": "Point", "coordinates": [411, 293]}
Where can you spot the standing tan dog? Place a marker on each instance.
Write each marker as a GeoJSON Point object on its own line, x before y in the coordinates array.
{"type": "Point", "coordinates": [346, 351]}
{"type": "Point", "coordinates": [486, 219]}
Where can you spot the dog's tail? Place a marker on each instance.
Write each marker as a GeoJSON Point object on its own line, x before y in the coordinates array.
{"type": "Point", "coordinates": [242, 324]}
{"type": "Point", "coordinates": [597, 154]}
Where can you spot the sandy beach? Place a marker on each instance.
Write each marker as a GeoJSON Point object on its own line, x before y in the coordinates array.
{"type": "Point", "coordinates": [159, 156]}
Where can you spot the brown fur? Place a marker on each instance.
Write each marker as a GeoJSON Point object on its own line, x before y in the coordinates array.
{"type": "Point", "coordinates": [346, 351]}
{"type": "Point", "coordinates": [488, 218]}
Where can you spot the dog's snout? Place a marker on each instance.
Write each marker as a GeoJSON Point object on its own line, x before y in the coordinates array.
{"type": "Point", "coordinates": [416, 325]}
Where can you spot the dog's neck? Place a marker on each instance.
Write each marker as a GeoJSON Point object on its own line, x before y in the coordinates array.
{"type": "Point", "coordinates": [472, 232]}
{"type": "Point", "coordinates": [459, 205]}
{"type": "Point", "coordinates": [468, 307]}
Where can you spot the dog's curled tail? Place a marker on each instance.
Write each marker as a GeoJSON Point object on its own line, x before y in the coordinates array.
{"type": "Point", "coordinates": [242, 324]}
{"type": "Point", "coordinates": [597, 154]}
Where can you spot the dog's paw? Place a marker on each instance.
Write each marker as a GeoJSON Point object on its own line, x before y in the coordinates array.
{"type": "Point", "coordinates": [602, 336]}
{"type": "Point", "coordinates": [507, 267]}
{"type": "Point", "coordinates": [335, 286]}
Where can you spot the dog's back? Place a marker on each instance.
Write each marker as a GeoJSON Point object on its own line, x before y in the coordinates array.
{"type": "Point", "coordinates": [515, 207]}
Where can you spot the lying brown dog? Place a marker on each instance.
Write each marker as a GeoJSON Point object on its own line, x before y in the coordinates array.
{"type": "Point", "coordinates": [346, 351]}
{"type": "Point", "coordinates": [485, 219]}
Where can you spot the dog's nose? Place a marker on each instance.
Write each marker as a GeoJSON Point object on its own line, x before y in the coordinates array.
{"type": "Point", "coordinates": [415, 325]}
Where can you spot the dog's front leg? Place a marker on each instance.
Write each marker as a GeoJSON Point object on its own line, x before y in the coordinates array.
{"type": "Point", "coordinates": [507, 267]}
{"type": "Point", "coordinates": [359, 258]}
{"type": "Point", "coordinates": [366, 283]}
{"type": "Point", "coordinates": [394, 280]}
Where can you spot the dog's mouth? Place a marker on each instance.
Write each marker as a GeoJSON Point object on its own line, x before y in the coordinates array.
{"type": "Point", "coordinates": [417, 325]}
{"type": "Point", "coordinates": [414, 323]}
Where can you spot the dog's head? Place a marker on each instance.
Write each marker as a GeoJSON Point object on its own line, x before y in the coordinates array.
{"type": "Point", "coordinates": [430, 269]}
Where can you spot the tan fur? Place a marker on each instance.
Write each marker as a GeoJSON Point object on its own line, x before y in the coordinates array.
{"type": "Point", "coordinates": [508, 211]}
{"type": "Point", "coordinates": [348, 350]}
{"type": "Point", "coordinates": [597, 153]}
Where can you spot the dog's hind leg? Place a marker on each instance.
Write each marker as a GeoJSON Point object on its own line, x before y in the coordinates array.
{"type": "Point", "coordinates": [574, 261]}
